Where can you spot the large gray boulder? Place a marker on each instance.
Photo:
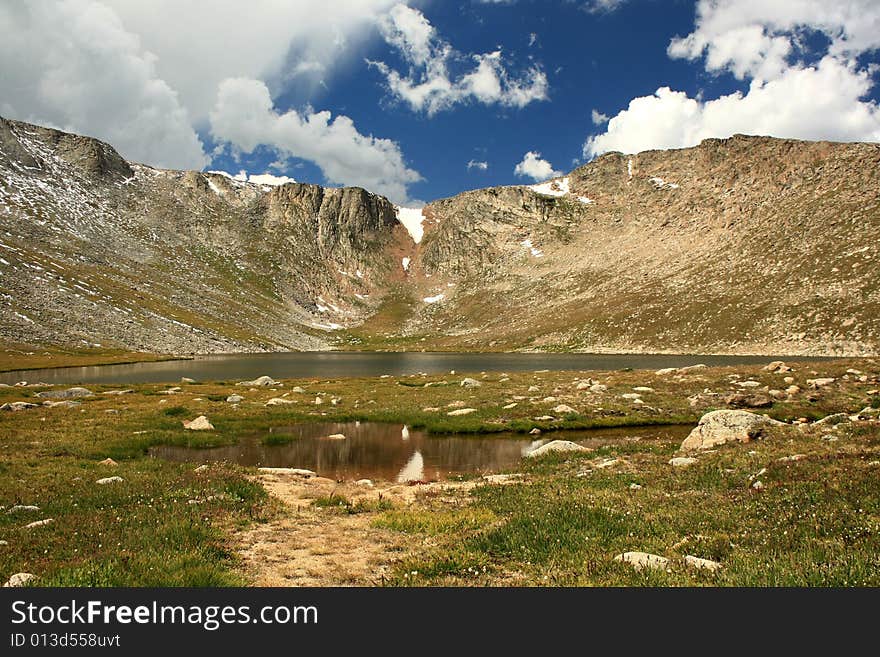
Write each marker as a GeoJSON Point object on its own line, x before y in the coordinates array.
{"type": "Point", "coordinates": [720, 427]}
{"type": "Point", "coordinates": [70, 393]}
{"type": "Point", "coordinates": [557, 446]}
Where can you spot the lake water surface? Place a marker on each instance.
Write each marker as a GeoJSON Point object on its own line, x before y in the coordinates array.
{"type": "Point", "coordinates": [337, 364]}
{"type": "Point", "coordinates": [375, 450]}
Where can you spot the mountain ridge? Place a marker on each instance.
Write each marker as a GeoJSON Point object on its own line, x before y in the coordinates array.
{"type": "Point", "coordinates": [738, 245]}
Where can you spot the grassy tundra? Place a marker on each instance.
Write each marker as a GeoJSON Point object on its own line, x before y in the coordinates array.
{"type": "Point", "coordinates": [813, 520]}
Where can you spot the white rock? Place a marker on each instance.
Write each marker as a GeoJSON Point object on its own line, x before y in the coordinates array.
{"type": "Point", "coordinates": [23, 508]}
{"type": "Point", "coordinates": [598, 388]}
{"type": "Point", "coordinates": [820, 382]}
{"type": "Point", "coordinates": [296, 472]}
{"type": "Point", "coordinates": [758, 485]}
{"type": "Point", "coordinates": [701, 564]}
{"type": "Point", "coordinates": [202, 468]}
{"type": "Point", "coordinates": [793, 458]}
{"type": "Point", "coordinates": [462, 411]}
{"type": "Point", "coordinates": [584, 385]}
{"type": "Point", "coordinates": [720, 427]}
{"type": "Point", "coordinates": [336, 436]}
{"type": "Point", "coordinates": [19, 579]}
{"type": "Point", "coordinates": [264, 381]}
{"type": "Point", "coordinates": [279, 401]}
{"type": "Point", "coordinates": [631, 395]}
{"type": "Point", "coordinates": [643, 389]}
{"type": "Point", "coordinates": [564, 409]}
{"type": "Point", "coordinates": [201, 423]}
{"type": "Point", "coordinates": [470, 383]}
{"type": "Point", "coordinates": [298, 389]}
{"type": "Point", "coordinates": [666, 370]}
{"type": "Point", "coordinates": [642, 560]}
{"type": "Point", "coordinates": [186, 379]}
{"type": "Point", "coordinates": [557, 446]}
{"type": "Point", "coordinates": [40, 523]}
{"type": "Point", "coordinates": [509, 406]}
{"type": "Point", "coordinates": [235, 399]}
{"type": "Point", "coordinates": [108, 462]}
{"type": "Point", "coordinates": [682, 461]}
{"type": "Point", "coordinates": [534, 388]}
{"type": "Point", "coordinates": [635, 487]}
{"type": "Point", "coordinates": [108, 480]}
{"type": "Point", "coordinates": [535, 432]}
{"type": "Point", "coordinates": [367, 483]}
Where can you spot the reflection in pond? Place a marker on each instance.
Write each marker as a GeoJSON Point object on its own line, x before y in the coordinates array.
{"type": "Point", "coordinates": [414, 470]}
{"type": "Point", "coordinates": [394, 452]}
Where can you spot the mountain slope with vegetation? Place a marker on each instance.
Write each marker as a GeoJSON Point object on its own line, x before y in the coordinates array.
{"type": "Point", "coordinates": [740, 245]}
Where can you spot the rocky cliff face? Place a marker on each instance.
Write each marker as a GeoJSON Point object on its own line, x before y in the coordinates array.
{"type": "Point", "coordinates": [96, 250]}
{"type": "Point", "coordinates": [747, 244]}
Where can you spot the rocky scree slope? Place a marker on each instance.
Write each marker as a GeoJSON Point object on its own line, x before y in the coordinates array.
{"type": "Point", "coordinates": [740, 245]}
{"type": "Point", "coordinates": [97, 250]}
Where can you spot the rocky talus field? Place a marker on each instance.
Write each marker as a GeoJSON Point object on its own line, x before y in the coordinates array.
{"type": "Point", "coordinates": [740, 245]}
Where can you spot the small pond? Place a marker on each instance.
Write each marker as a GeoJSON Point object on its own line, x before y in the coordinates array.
{"type": "Point", "coordinates": [393, 452]}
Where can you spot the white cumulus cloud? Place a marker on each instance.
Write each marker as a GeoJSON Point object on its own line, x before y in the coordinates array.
{"type": "Point", "coordinates": [430, 83]}
{"type": "Point", "coordinates": [535, 167]}
{"type": "Point", "coordinates": [244, 116]}
{"type": "Point", "coordinates": [793, 92]}
{"type": "Point", "coordinates": [72, 64]}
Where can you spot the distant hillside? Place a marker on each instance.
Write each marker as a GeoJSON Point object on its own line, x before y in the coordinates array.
{"type": "Point", "coordinates": [741, 245]}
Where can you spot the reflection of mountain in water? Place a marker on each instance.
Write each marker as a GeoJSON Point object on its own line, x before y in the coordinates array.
{"type": "Point", "coordinates": [377, 450]}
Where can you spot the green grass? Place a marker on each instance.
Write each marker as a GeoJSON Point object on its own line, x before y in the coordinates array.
{"type": "Point", "coordinates": [816, 523]}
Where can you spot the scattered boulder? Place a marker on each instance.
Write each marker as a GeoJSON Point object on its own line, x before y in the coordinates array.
{"type": "Point", "coordinates": [792, 390]}
{"type": "Point", "coordinates": [791, 459]}
{"type": "Point", "coordinates": [70, 393]}
{"type": "Point", "coordinates": [701, 564]}
{"type": "Point", "coordinates": [758, 485]}
{"type": "Point", "coordinates": [109, 462]}
{"type": "Point", "coordinates": [720, 427]}
{"type": "Point", "coordinates": [777, 366]}
{"type": "Point", "coordinates": [19, 579]}
{"type": "Point", "coordinates": [109, 480]}
{"type": "Point", "coordinates": [584, 385]}
{"type": "Point", "coordinates": [557, 446]}
{"type": "Point", "coordinates": [298, 389]}
{"type": "Point", "coordinates": [470, 383]}
{"type": "Point", "coordinates": [17, 406]}
{"type": "Point", "coordinates": [643, 389]}
{"type": "Point", "coordinates": [462, 411]}
{"type": "Point", "coordinates": [666, 370]}
{"type": "Point", "coordinates": [127, 391]}
{"type": "Point", "coordinates": [23, 508]}
{"type": "Point", "coordinates": [534, 388]}
{"type": "Point", "coordinates": [263, 381]}
{"type": "Point", "coordinates": [235, 399]}
{"type": "Point", "coordinates": [749, 384]}
{"type": "Point", "coordinates": [67, 403]}
{"type": "Point", "coordinates": [635, 486]}
{"type": "Point", "coordinates": [867, 413]}
{"type": "Point", "coordinates": [202, 468]}
{"type": "Point", "coordinates": [631, 395]}
{"type": "Point", "coordinates": [509, 406]}
{"type": "Point", "coordinates": [201, 423]}
{"type": "Point", "coordinates": [335, 436]}
{"type": "Point", "coordinates": [39, 523]}
{"type": "Point", "coordinates": [564, 409]}
{"type": "Point", "coordinates": [186, 379]}
{"type": "Point", "coordinates": [742, 400]}
{"type": "Point", "coordinates": [598, 387]}
{"type": "Point", "coordinates": [367, 483]}
{"type": "Point", "coordinates": [535, 432]}
{"type": "Point", "coordinates": [815, 384]}
{"type": "Point", "coordinates": [296, 472]}
{"type": "Point", "coordinates": [171, 391]}
{"type": "Point", "coordinates": [682, 461]}
{"type": "Point", "coordinates": [642, 560]}
{"type": "Point", "coordinates": [279, 401]}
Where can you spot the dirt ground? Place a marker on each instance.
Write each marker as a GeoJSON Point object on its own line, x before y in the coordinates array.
{"type": "Point", "coordinates": [311, 545]}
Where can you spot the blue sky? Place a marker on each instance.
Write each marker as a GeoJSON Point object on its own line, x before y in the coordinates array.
{"type": "Point", "coordinates": [399, 97]}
